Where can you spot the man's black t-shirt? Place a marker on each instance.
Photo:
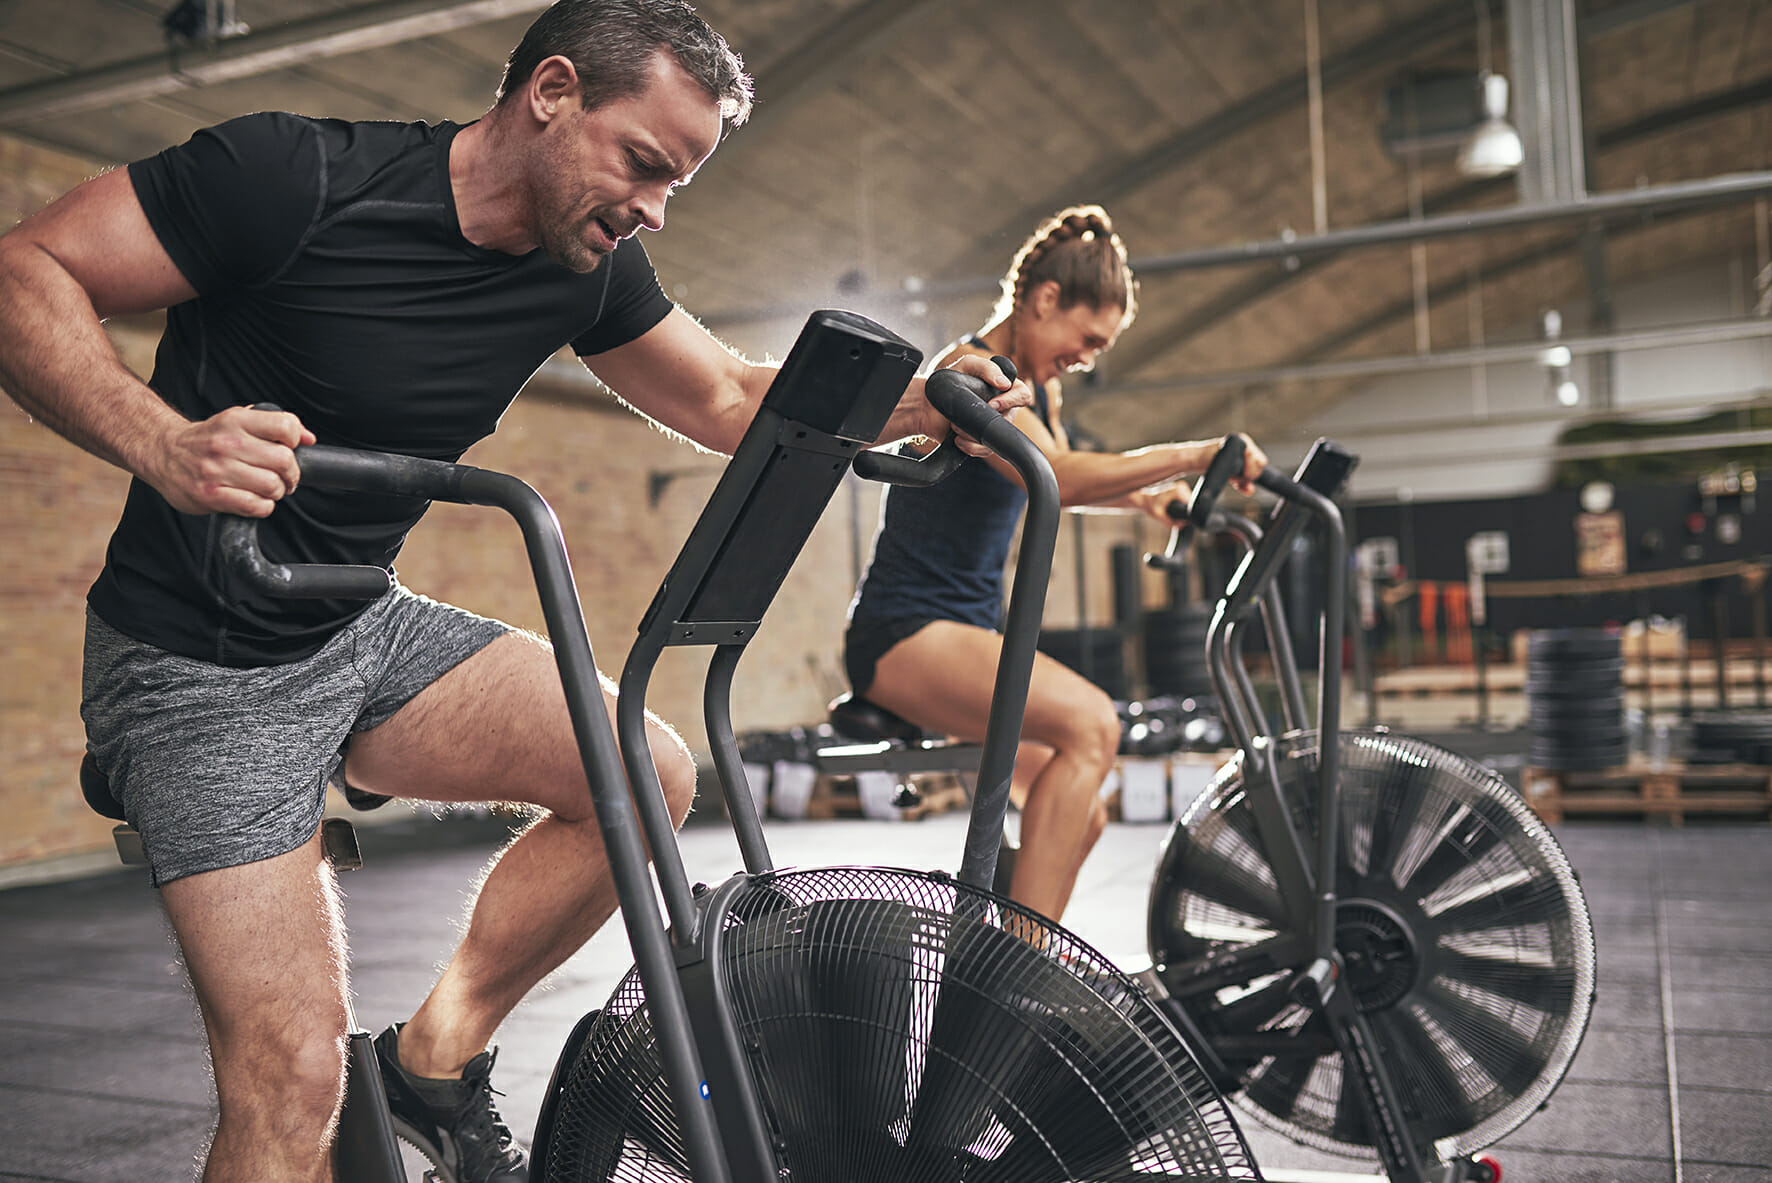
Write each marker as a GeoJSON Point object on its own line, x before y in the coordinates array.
{"type": "Point", "coordinates": [334, 281]}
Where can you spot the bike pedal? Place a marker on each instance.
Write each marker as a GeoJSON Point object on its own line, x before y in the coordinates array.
{"type": "Point", "coordinates": [1313, 984]}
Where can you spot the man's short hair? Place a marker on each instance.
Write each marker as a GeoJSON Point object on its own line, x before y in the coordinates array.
{"type": "Point", "coordinates": [611, 43]}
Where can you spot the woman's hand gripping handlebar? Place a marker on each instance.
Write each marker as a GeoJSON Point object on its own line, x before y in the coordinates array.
{"type": "Point", "coordinates": [943, 390]}
{"type": "Point", "coordinates": [1228, 465]}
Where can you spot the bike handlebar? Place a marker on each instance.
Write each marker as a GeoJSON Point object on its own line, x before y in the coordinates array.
{"type": "Point", "coordinates": [238, 539]}
{"type": "Point", "coordinates": [353, 470]}
{"type": "Point", "coordinates": [1227, 463]}
{"type": "Point", "coordinates": [1171, 559]}
{"type": "Point", "coordinates": [960, 398]}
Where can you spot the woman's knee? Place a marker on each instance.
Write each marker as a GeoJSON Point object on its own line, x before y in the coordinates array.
{"type": "Point", "coordinates": [1095, 726]}
{"type": "Point", "coordinates": [1096, 825]}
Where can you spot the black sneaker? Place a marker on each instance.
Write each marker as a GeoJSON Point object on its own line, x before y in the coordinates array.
{"type": "Point", "coordinates": [454, 1123]}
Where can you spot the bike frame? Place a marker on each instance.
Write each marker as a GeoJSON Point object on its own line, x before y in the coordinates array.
{"type": "Point", "coordinates": [833, 396]}
{"type": "Point", "coordinates": [1306, 954]}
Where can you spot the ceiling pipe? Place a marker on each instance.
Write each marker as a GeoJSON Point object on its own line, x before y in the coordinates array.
{"type": "Point", "coordinates": [1649, 199]}
{"type": "Point", "coordinates": [172, 71]}
{"type": "Point", "coordinates": [1596, 207]}
{"type": "Point", "coordinates": [1153, 342]}
{"type": "Point", "coordinates": [1370, 367]}
{"type": "Point", "coordinates": [1637, 412]}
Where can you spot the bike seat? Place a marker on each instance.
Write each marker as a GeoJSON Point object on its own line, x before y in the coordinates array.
{"type": "Point", "coordinates": [856, 719]}
{"type": "Point", "coordinates": [97, 790]}
{"type": "Point", "coordinates": [337, 835]}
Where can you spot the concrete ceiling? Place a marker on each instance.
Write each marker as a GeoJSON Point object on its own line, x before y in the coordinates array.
{"type": "Point", "coordinates": [913, 142]}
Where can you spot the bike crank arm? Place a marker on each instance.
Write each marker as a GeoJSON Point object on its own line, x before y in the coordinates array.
{"type": "Point", "coordinates": [1397, 1152]}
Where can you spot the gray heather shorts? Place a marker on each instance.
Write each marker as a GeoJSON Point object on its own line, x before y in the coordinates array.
{"type": "Point", "coordinates": [218, 766]}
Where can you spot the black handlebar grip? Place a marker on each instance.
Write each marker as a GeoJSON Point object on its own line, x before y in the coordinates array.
{"type": "Point", "coordinates": [961, 400]}
{"type": "Point", "coordinates": [953, 404]}
{"type": "Point", "coordinates": [238, 539]}
{"type": "Point", "coordinates": [893, 469]}
{"type": "Point", "coordinates": [1225, 465]}
{"type": "Point", "coordinates": [1172, 558]}
{"type": "Point", "coordinates": [1279, 484]}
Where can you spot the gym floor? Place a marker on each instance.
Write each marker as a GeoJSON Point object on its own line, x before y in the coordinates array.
{"type": "Point", "coordinates": [103, 1074]}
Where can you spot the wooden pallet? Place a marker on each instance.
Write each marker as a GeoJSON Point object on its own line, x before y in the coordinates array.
{"type": "Point", "coordinates": [838, 796]}
{"type": "Point", "coordinates": [1637, 789]}
{"type": "Point", "coordinates": [1665, 680]}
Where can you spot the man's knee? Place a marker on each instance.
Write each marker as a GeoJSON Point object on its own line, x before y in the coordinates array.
{"type": "Point", "coordinates": [676, 772]}
{"type": "Point", "coordinates": [288, 1074]}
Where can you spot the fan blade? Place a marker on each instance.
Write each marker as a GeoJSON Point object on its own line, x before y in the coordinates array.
{"type": "Point", "coordinates": [1396, 806]}
{"type": "Point", "coordinates": [1549, 988]}
{"type": "Point", "coordinates": [1506, 1053]}
{"type": "Point", "coordinates": [1512, 906]}
{"type": "Point", "coordinates": [1460, 844]}
{"type": "Point", "coordinates": [1276, 1085]}
{"type": "Point", "coordinates": [1430, 1087]}
{"type": "Point", "coordinates": [1227, 878]}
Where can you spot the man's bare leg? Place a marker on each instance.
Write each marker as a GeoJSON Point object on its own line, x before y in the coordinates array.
{"type": "Point", "coordinates": [264, 944]}
{"type": "Point", "coordinates": [496, 728]}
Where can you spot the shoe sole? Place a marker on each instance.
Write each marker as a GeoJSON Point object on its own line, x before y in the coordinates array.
{"type": "Point", "coordinates": [440, 1170]}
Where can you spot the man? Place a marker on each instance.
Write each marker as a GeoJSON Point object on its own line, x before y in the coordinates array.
{"type": "Point", "coordinates": [388, 286]}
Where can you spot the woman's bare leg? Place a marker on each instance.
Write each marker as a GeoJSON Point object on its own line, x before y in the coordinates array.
{"type": "Point", "coordinates": [941, 678]}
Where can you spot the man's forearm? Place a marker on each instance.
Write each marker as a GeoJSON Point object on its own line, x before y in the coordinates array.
{"type": "Point", "coordinates": [57, 363]}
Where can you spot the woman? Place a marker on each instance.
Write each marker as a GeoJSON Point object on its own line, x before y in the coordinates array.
{"type": "Point", "coordinates": [923, 640]}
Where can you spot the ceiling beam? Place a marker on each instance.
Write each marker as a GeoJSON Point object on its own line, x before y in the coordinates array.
{"type": "Point", "coordinates": [1344, 337]}
{"type": "Point", "coordinates": [825, 59]}
{"type": "Point", "coordinates": [1134, 355]}
{"type": "Point", "coordinates": [1612, 206]}
{"type": "Point", "coordinates": [1386, 48]}
{"type": "Point", "coordinates": [1428, 31]}
{"type": "Point", "coordinates": [174, 70]}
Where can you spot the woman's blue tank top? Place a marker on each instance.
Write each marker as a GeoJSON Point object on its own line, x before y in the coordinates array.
{"type": "Point", "coordinates": [939, 553]}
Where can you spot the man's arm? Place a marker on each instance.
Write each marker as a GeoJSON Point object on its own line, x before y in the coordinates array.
{"type": "Point", "coordinates": [680, 375]}
{"type": "Point", "coordinates": [684, 378]}
{"type": "Point", "coordinates": [90, 255]}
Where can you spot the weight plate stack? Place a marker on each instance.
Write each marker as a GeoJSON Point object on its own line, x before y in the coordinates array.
{"type": "Point", "coordinates": [1174, 642]}
{"type": "Point", "coordinates": [1732, 737]}
{"type": "Point", "coordinates": [1575, 699]}
{"type": "Point", "coordinates": [1107, 660]}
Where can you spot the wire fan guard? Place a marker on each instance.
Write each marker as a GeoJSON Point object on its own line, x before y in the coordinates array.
{"type": "Point", "coordinates": [904, 1028]}
{"type": "Point", "coordinates": [1464, 933]}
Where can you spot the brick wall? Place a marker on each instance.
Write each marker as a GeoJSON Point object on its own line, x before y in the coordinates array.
{"type": "Point", "coordinates": [595, 465]}
{"type": "Point", "coordinates": [56, 507]}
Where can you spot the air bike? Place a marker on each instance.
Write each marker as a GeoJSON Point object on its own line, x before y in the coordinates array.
{"type": "Point", "coordinates": [832, 1025]}
{"type": "Point", "coordinates": [1371, 942]}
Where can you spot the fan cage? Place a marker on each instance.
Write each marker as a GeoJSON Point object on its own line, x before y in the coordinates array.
{"type": "Point", "coordinates": [902, 1026]}
{"type": "Point", "coordinates": [1522, 865]}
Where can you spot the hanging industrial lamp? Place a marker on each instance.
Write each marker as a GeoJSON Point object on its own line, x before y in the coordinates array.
{"type": "Point", "coordinates": [1494, 147]}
